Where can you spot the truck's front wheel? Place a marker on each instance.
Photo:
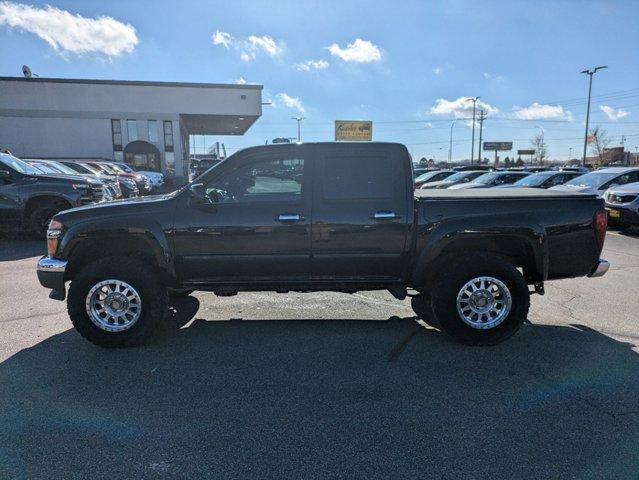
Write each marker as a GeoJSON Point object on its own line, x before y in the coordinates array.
{"type": "Point", "coordinates": [117, 302]}
{"type": "Point", "coordinates": [484, 300]}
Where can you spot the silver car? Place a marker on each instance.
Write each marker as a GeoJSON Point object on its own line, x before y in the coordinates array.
{"type": "Point", "coordinates": [622, 203]}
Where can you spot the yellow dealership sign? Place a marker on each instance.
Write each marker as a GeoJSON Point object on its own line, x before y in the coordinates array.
{"type": "Point", "coordinates": [354, 130]}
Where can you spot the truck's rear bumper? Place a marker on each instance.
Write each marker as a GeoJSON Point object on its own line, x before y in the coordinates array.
{"type": "Point", "coordinates": [51, 275]}
{"type": "Point", "coordinates": [600, 269]}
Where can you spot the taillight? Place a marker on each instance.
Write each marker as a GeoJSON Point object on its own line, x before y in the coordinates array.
{"type": "Point", "coordinates": [600, 223]}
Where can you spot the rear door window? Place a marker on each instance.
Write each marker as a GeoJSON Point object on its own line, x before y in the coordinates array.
{"type": "Point", "coordinates": [357, 177]}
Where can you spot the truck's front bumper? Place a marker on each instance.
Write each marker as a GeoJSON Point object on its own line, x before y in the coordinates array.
{"type": "Point", "coordinates": [51, 275]}
{"type": "Point", "coordinates": [600, 269]}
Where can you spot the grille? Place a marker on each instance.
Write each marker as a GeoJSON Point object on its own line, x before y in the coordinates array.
{"type": "Point", "coordinates": [93, 195]}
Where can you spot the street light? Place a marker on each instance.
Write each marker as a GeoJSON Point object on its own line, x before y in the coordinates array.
{"type": "Point", "coordinates": [590, 73]}
{"type": "Point", "coordinates": [299, 120]}
{"type": "Point", "coordinates": [450, 147]}
{"type": "Point", "coordinates": [472, 146]}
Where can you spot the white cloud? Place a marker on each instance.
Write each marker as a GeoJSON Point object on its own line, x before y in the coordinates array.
{"type": "Point", "coordinates": [222, 38]}
{"type": "Point", "coordinates": [495, 78]}
{"type": "Point", "coordinates": [66, 32]}
{"type": "Point", "coordinates": [437, 70]}
{"type": "Point", "coordinates": [241, 81]}
{"type": "Point", "coordinates": [291, 102]}
{"type": "Point", "coordinates": [264, 43]}
{"type": "Point", "coordinates": [250, 47]}
{"type": "Point", "coordinates": [614, 114]}
{"type": "Point", "coordinates": [461, 107]}
{"type": "Point", "coordinates": [360, 51]}
{"type": "Point", "coordinates": [309, 65]}
{"type": "Point", "coordinates": [538, 111]}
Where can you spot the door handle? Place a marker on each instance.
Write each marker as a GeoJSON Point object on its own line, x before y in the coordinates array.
{"type": "Point", "coordinates": [385, 215]}
{"type": "Point", "coordinates": [290, 217]}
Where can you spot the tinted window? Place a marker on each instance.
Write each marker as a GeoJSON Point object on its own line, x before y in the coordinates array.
{"type": "Point", "coordinates": [260, 181]}
{"type": "Point", "coordinates": [357, 177]}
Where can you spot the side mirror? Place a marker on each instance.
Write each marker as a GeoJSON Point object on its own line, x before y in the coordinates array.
{"type": "Point", "coordinates": [198, 193]}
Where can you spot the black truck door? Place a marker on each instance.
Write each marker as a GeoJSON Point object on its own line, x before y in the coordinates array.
{"type": "Point", "coordinates": [256, 227]}
{"type": "Point", "coordinates": [361, 214]}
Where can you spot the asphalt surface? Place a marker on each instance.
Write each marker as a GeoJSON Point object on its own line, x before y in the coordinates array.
{"type": "Point", "coordinates": [332, 386]}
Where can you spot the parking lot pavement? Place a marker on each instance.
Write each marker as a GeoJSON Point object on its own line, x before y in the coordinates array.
{"type": "Point", "coordinates": [333, 386]}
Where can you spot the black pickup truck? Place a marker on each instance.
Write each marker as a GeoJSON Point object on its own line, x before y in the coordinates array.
{"type": "Point", "coordinates": [321, 216]}
{"type": "Point", "coordinates": [29, 198]}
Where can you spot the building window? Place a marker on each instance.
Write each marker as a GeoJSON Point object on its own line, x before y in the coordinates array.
{"type": "Point", "coordinates": [116, 135]}
{"type": "Point", "coordinates": [118, 156]}
{"type": "Point", "coordinates": [169, 160]}
{"type": "Point", "coordinates": [132, 130]}
{"type": "Point", "coordinates": [153, 131]}
{"type": "Point", "coordinates": [168, 136]}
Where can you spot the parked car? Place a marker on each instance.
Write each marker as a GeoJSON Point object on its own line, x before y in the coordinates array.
{"type": "Point", "coordinates": [142, 183]}
{"type": "Point", "coordinates": [456, 178]}
{"type": "Point", "coordinates": [128, 187]}
{"type": "Point", "coordinates": [491, 179]}
{"type": "Point", "coordinates": [85, 171]}
{"type": "Point", "coordinates": [420, 171]}
{"type": "Point", "coordinates": [156, 179]}
{"type": "Point", "coordinates": [55, 168]}
{"type": "Point", "coordinates": [622, 204]}
{"type": "Point", "coordinates": [544, 179]}
{"type": "Point", "coordinates": [243, 226]}
{"type": "Point", "coordinates": [599, 181]}
{"type": "Point", "coordinates": [433, 176]}
{"type": "Point", "coordinates": [29, 198]}
{"type": "Point", "coordinates": [529, 169]}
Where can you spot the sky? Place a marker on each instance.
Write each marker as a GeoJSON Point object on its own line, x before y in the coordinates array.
{"type": "Point", "coordinates": [409, 66]}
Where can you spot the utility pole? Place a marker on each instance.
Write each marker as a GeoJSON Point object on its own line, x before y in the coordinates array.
{"type": "Point", "coordinates": [472, 143]}
{"type": "Point", "coordinates": [482, 116]}
{"type": "Point", "coordinates": [450, 147]}
{"type": "Point", "coordinates": [590, 73]}
{"type": "Point", "coordinates": [299, 121]}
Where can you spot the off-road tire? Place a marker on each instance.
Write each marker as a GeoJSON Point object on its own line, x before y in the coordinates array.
{"type": "Point", "coordinates": [464, 269]}
{"type": "Point", "coordinates": [136, 273]}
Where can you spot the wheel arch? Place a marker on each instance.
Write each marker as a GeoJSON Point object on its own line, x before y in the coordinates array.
{"type": "Point", "coordinates": [521, 242]}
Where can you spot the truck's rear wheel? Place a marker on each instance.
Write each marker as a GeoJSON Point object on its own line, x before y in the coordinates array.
{"type": "Point", "coordinates": [117, 302]}
{"type": "Point", "coordinates": [484, 300]}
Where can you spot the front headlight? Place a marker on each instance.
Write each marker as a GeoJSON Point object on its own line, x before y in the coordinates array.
{"type": "Point", "coordinates": [54, 232]}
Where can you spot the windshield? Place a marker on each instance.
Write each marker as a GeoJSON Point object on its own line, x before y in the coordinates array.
{"type": "Point", "coordinates": [18, 165]}
{"type": "Point", "coordinates": [124, 167]}
{"type": "Point", "coordinates": [107, 168]}
{"type": "Point", "coordinates": [43, 167]}
{"type": "Point", "coordinates": [117, 168]}
{"type": "Point", "coordinates": [428, 175]}
{"type": "Point", "coordinates": [534, 180]}
{"type": "Point", "coordinates": [91, 168]}
{"type": "Point", "coordinates": [487, 178]}
{"type": "Point", "coordinates": [62, 168]}
{"type": "Point", "coordinates": [460, 176]}
{"type": "Point", "coordinates": [593, 179]}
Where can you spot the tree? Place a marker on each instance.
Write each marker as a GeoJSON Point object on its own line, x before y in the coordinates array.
{"type": "Point", "coordinates": [599, 141]}
{"type": "Point", "coordinates": [541, 149]}
{"type": "Point", "coordinates": [519, 162]}
{"type": "Point", "coordinates": [507, 162]}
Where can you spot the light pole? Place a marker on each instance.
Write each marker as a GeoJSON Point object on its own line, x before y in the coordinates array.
{"type": "Point", "coordinates": [299, 121]}
{"type": "Point", "coordinates": [472, 146]}
{"type": "Point", "coordinates": [569, 153]}
{"type": "Point", "coordinates": [590, 73]}
{"type": "Point", "coordinates": [450, 147]}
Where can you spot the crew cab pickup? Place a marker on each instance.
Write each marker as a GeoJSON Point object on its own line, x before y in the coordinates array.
{"type": "Point", "coordinates": [321, 216]}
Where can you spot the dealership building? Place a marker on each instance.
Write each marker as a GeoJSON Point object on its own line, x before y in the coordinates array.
{"type": "Point", "coordinates": [145, 124]}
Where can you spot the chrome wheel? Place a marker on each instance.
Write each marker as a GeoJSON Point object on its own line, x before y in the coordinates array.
{"type": "Point", "coordinates": [113, 305]}
{"type": "Point", "coordinates": [484, 302]}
